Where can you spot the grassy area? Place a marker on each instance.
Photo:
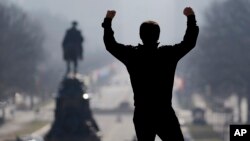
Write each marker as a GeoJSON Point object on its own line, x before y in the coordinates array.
{"type": "Point", "coordinates": [26, 130]}
{"type": "Point", "coordinates": [31, 127]}
{"type": "Point", "coordinates": [203, 133]}
{"type": "Point", "coordinates": [42, 104]}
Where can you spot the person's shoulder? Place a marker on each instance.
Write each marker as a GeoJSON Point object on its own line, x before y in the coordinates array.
{"type": "Point", "coordinates": [137, 47]}
{"type": "Point", "coordinates": [165, 47]}
{"type": "Point", "coordinates": [132, 47]}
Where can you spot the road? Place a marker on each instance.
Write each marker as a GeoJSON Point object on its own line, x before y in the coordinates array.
{"type": "Point", "coordinates": [115, 127]}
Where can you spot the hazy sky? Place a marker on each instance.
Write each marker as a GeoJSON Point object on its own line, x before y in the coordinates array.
{"type": "Point", "coordinates": [130, 14]}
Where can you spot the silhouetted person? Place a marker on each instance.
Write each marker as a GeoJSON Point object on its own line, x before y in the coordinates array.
{"type": "Point", "coordinates": [152, 71]}
{"type": "Point", "coordinates": [72, 47]}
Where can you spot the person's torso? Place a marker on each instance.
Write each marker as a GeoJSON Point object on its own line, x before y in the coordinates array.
{"type": "Point", "coordinates": [152, 76]}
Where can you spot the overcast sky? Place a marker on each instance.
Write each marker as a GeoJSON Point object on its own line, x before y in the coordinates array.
{"type": "Point", "coordinates": [130, 14]}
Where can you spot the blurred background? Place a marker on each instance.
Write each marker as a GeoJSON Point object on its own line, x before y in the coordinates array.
{"type": "Point", "coordinates": [212, 82]}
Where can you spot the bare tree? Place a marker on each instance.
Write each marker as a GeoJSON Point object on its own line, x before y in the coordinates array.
{"type": "Point", "coordinates": [222, 60]}
{"type": "Point", "coordinates": [21, 41]}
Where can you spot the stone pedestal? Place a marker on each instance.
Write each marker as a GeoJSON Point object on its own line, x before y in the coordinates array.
{"type": "Point", "coordinates": [73, 117]}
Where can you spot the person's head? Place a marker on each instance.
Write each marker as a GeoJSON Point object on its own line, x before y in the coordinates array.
{"type": "Point", "coordinates": [149, 32]}
{"type": "Point", "coordinates": [74, 24]}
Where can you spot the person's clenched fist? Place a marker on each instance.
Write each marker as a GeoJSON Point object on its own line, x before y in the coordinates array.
{"type": "Point", "coordinates": [110, 14]}
{"type": "Point", "coordinates": [188, 11]}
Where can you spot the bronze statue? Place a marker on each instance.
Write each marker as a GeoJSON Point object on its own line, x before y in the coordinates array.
{"type": "Point", "coordinates": [72, 47]}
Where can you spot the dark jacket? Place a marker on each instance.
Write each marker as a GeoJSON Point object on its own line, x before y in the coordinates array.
{"type": "Point", "coordinates": [151, 71]}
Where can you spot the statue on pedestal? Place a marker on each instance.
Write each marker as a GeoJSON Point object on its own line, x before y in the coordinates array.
{"type": "Point", "coordinates": [72, 47]}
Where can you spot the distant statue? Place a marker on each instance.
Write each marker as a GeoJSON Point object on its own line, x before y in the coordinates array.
{"type": "Point", "coordinates": [72, 47]}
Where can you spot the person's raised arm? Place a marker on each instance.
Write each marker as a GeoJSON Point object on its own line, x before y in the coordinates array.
{"type": "Point", "coordinates": [190, 37]}
{"type": "Point", "coordinates": [108, 37]}
{"type": "Point", "coordinates": [118, 50]}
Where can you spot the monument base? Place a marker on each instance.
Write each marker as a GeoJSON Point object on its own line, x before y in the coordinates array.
{"type": "Point", "coordinates": [73, 117]}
